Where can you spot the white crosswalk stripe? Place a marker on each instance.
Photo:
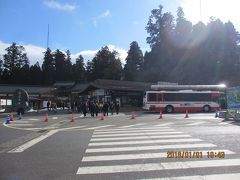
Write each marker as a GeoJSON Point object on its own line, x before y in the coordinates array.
{"type": "Point", "coordinates": [157, 166]}
{"type": "Point", "coordinates": [135, 131]}
{"type": "Point", "coordinates": [145, 142]}
{"type": "Point", "coordinates": [145, 145]}
{"type": "Point", "coordinates": [136, 134]}
{"type": "Point", "coordinates": [196, 123]}
{"type": "Point", "coordinates": [140, 137]}
{"type": "Point", "coordinates": [155, 147]}
{"type": "Point", "coordinates": [232, 176]}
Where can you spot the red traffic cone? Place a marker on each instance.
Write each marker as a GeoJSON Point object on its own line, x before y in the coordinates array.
{"type": "Point", "coordinates": [133, 115]}
{"type": "Point", "coordinates": [160, 117]}
{"type": "Point", "coordinates": [186, 116]}
{"type": "Point", "coordinates": [46, 118]}
{"type": "Point", "coordinates": [101, 116]}
{"type": "Point", "coordinates": [11, 117]}
{"type": "Point", "coordinates": [72, 118]}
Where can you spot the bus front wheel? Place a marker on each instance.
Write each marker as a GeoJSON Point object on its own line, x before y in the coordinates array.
{"type": "Point", "coordinates": [169, 109]}
{"type": "Point", "coordinates": [206, 108]}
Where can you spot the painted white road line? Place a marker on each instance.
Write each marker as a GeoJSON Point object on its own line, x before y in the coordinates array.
{"type": "Point", "coordinates": [54, 117]}
{"type": "Point", "coordinates": [156, 147]}
{"type": "Point", "coordinates": [132, 125]}
{"type": "Point", "coordinates": [165, 124]}
{"type": "Point", "coordinates": [142, 156]}
{"type": "Point", "coordinates": [139, 137]}
{"type": "Point", "coordinates": [135, 134]}
{"type": "Point", "coordinates": [223, 123]}
{"type": "Point", "coordinates": [70, 128]}
{"type": "Point", "coordinates": [29, 144]}
{"type": "Point", "coordinates": [196, 123]}
{"type": "Point", "coordinates": [157, 166]}
{"type": "Point", "coordinates": [17, 125]}
{"type": "Point", "coordinates": [145, 142]}
{"type": "Point", "coordinates": [210, 118]}
{"type": "Point", "coordinates": [32, 119]}
{"type": "Point", "coordinates": [131, 128]}
{"type": "Point", "coordinates": [19, 122]}
{"type": "Point", "coordinates": [98, 127]}
{"type": "Point", "coordinates": [232, 176]}
{"type": "Point", "coordinates": [133, 131]}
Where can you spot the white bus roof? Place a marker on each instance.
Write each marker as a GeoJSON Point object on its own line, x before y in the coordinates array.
{"type": "Point", "coordinates": [219, 87]}
{"type": "Point", "coordinates": [182, 91]}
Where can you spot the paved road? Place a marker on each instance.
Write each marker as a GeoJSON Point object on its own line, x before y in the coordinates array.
{"type": "Point", "coordinates": [119, 147]}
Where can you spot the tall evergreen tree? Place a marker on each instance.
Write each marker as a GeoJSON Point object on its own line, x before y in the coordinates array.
{"type": "Point", "coordinates": [160, 28]}
{"type": "Point", "coordinates": [1, 69]}
{"type": "Point", "coordinates": [59, 58]}
{"type": "Point", "coordinates": [89, 71]}
{"type": "Point", "coordinates": [48, 68]}
{"type": "Point", "coordinates": [68, 66]}
{"type": "Point", "coordinates": [106, 65]}
{"type": "Point", "coordinates": [15, 58]}
{"type": "Point", "coordinates": [182, 30]}
{"type": "Point", "coordinates": [79, 69]}
{"type": "Point", "coordinates": [134, 62]}
{"type": "Point", "coordinates": [35, 73]}
{"type": "Point", "coordinates": [14, 62]}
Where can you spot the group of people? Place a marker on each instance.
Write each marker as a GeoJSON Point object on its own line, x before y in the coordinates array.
{"type": "Point", "coordinates": [94, 108]}
{"type": "Point", "coordinates": [51, 105]}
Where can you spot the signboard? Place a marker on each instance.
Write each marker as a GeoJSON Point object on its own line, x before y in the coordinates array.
{"type": "Point", "coordinates": [98, 92]}
{"type": "Point", "coordinates": [233, 98]}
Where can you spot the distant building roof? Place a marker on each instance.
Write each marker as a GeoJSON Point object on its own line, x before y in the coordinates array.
{"type": "Point", "coordinates": [121, 85]}
{"type": "Point", "coordinates": [63, 84]}
{"type": "Point", "coordinates": [5, 89]}
{"type": "Point", "coordinates": [112, 85]}
{"type": "Point", "coordinates": [79, 88]}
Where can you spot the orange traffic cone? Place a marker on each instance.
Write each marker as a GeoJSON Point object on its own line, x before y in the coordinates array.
{"type": "Point", "coordinates": [72, 118]}
{"type": "Point", "coordinates": [161, 117]}
{"type": "Point", "coordinates": [11, 117]}
{"type": "Point", "coordinates": [101, 116]}
{"type": "Point", "coordinates": [46, 118]}
{"type": "Point", "coordinates": [186, 116]}
{"type": "Point", "coordinates": [133, 115]}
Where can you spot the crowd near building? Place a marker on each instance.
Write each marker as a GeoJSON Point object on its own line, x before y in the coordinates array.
{"type": "Point", "coordinates": [70, 95]}
{"type": "Point", "coordinates": [95, 95]}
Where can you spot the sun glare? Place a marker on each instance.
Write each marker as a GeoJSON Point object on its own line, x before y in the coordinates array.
{"type": "Point", "coordinates": [202, 10]}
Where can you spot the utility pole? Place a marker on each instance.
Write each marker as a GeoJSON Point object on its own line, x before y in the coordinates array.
{"type": "Point", "coordinates": [200, 9]}
{"type": "Point", "coordinates": [48, 37]}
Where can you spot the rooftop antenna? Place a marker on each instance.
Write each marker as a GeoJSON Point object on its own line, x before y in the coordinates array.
{"type": "Point", "coordinates": [48, 37]}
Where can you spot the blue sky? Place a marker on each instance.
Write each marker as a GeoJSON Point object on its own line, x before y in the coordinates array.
{"type": "Point", "coordinates": [84, 26]}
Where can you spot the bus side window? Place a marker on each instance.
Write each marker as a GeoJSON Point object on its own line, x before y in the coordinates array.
{"type": "Point", "coordinates": [159, 97]}
{"type": "Point", "coordinates": [152, 96]}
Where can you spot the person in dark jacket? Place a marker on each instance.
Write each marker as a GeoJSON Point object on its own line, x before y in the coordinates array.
{"type": "Point", "coordinates": [92, 108]}
{"type": "Point", "coordinates": [105, 108]}
{"type": "Point", "coordinates": [96, 109]}
{"type": "Point", "coordinates": [112, 107]}
{"type": "Point", "coordinates": [84, 109]}
{"type": "Point", "coordinates": [117, 107]}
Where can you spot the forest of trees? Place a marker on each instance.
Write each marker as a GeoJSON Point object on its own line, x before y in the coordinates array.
{"type": "Point", "coordinates": [179, 52]}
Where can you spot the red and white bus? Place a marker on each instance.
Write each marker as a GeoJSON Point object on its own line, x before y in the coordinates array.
{"type": "Point", "coordinates": [180, 101]}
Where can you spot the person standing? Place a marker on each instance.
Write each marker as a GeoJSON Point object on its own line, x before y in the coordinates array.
{"type": "Point", "coordinates": [96, 108]}
{"type": "Point", "coordinates": [91, 108]}
{"type": "Point", "coordinates": [112, 107]}
{"type": "Point", "coordinates": [48, 105]}
{"type": "Point", "coordinates": [105, 108]}
{"type": "Point", "coordinates": [84, 109]}
{"type": "Point", "coordinates": [117, 107]}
